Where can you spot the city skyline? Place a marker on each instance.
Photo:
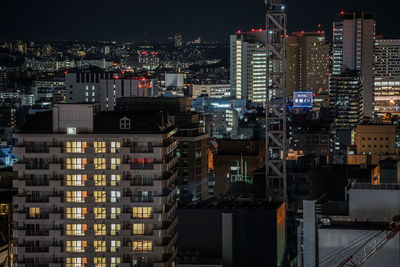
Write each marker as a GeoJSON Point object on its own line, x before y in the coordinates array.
{"type": "Point", "coordinates": [209, 19]}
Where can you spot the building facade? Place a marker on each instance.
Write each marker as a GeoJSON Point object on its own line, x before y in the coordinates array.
{"type": "Point", "coordinates": [386, 77]}
{"type": "Point", "coordinates": [353, 48]}
{"type": "Point", "coordinates": [95, 189]}
{"type": "Point", "coordinates": [307, 63]}
{"type": "Point", "coordinates": [248, 59]}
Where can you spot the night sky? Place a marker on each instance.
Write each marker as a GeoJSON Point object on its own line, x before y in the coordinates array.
{"type": "Point", "coordinates": [127, 20]}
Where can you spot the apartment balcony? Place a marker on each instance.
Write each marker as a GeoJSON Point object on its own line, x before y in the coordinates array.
{"type": "Point", "coordinates": [165, 246]}
{"type": "Point", "coordinates": [166, 165]}
{"type": "Point", "coordinates": [142, 199]}
{"type": "Point", "coordinates": [37, 199]}
{"type": "Point", "coordinates": [33, 249]}
{"type": "Point", "coordinates": [166, 148]}
{"type": "Point", "coordinates": [145, 166]}
{"type": "Point", "coordinates": [39, 233]}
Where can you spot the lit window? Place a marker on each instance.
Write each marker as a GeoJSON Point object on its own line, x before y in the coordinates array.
{"type": "Point", "coordinates": [115, 212]}
{"type": "Point", "coordinates": [115, 178]}
{"type": "Point", "coordinates": [75, 180]}
{"type": "Point", "coordinates": [76, 229]}
{"type": "Point", "coordinates": [115, 146]}
{"type": "Point", "coordinates": [115, 162]}
{"type": "Point", "coordinates": [99, 229]}
{"type": "Point", "coordinates": [125, 123]}
{"type": "Point", "coordinates": [115, 195]}
{"type": "Point", "coordinates": [34, 213]}
{"type": "Point", "coordinates": [142, 212]}
{"type": "Point", "coordinates": [99, 147]}
{"type": "Point", "coordinates": [100, 246]}
{"type": "Point", "coordinates": [138, 228]}
{"type": "Point", "coordinates": [75, 262]}
{"type": "Point", "coordinates": [99, 179]}
{"type": "Point", "coordinates": [115, 261]}
{"type": "Point", "coordinates": [75, 196]}
{"type": "Point", "coordinates": [100, 163]}
{"type": "Point", "coordinates": [114, 245]}
{"type": "Point", "coordinates": [145, 245]}
{"type": "Point", "coordinates": [100, 196]}
{"type": "Point", "coordinates": [100, 213]}
{"type": "Point", "coordinates": [76, 213]}
{"type": "Point", "coordinates": [75, 246]}
{"type": "Point", "coordinates": [115, 227]}
{"type": "Point", "coordinates": [99, 261]}
{"type": "Point", "coordinates": [76, 163]}
{"type": "Point", "coordinates": [71, 130]}
{"type": "Point", "coordinates": [76, 147]}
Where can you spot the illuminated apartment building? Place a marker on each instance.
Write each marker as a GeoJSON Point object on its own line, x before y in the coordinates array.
{"type": "Point", "coordinates": [95, 189]}
{"type": "Point", "coordinates": [248, 65]}
{"type": "Point", "coordinates": [386, 77]}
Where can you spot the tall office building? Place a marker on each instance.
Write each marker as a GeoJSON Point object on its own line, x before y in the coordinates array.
{"type": "Point", "coordinates": [248, 59]}
{"type": "Point", "coordinates": [353, 48]}
{"type": "Point", "coordinates": [345, 99]}
{"type": "Point", "coordinates": [345, 109]}
{"type": "Point", "coordinates": [95, 189]}
{"type": "Point", "coordinates": [387, 77]}
{"type": "Point", "coordinates": [307, 63]}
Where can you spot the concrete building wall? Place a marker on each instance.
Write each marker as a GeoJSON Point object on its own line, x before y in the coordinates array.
{"type": "Point", "coordinates": [373, 205]}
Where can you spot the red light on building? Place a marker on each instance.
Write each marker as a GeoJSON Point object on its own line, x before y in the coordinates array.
{"type": "Point", "coordinates": [143, 79]}
{"type": "Point", "coordinates": [319, 25]}
{"type": "Point", "coordinates": [239, 31]}
{"type": "Point", "coordinates": [342, 13]}
{"type": "Point", "coordinates": [252, 30]}
{"type": "Point", "coordinates": [116, 77]}
{"type": "Point", "coordinates": [260, 30]}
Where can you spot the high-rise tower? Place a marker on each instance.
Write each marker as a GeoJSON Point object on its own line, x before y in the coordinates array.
{"type": "Point", "coordinates": [353, 48]}
{"type": "Point", "coordinates": [275, 104]}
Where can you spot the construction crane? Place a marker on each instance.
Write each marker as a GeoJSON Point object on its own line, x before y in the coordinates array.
{"type": "Point", "coordinates": [275, 108]}
{"type": "Point", "coordinates": [360, 254]}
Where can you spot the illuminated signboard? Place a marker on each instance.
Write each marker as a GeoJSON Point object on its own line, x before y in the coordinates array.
{"type": "Point", "coordinates": [302, 99]}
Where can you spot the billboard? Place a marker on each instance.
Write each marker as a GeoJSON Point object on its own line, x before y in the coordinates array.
{"type": "Point", "coordinates": [302, 99]}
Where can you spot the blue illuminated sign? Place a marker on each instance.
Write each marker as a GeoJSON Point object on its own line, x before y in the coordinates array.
{"type": "Point", "coordinates": [302, 99]}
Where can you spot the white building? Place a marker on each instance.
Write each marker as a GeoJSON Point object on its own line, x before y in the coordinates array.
{"type": "Point", "coordinates": [248, 59]}
{"type": "Point", "coordinates": [211, 90]}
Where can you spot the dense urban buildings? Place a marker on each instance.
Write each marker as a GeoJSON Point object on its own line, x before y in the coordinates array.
{"type": "Point", "coordinates": [275, 146]}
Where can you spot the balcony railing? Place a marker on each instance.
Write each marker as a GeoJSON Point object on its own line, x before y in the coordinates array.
{"type": "Point", "coordinates": [141, 199]}
{"type": "Point", "coordinates": [144, 166]}
{"type": "Point", "coordinates": [35, 199]}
